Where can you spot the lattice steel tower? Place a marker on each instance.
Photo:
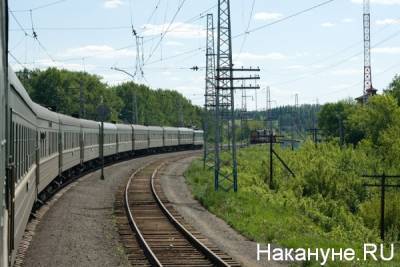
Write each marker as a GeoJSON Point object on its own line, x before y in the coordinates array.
{"type": "Point", "coordinates": [368, 88]}
{"type": "Point", "coordinates": [210, 94]}
{"type": "Point", "coordinates": [225, 105]}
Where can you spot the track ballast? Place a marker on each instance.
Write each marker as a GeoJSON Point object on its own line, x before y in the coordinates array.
{"type": "Point", "coordinates": [157, 234]}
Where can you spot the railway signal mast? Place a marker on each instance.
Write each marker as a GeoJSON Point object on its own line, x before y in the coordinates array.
{"type": "Point", "coordinates": [368, 90]}
{"type": "Point", "coordinates": [225, 104]}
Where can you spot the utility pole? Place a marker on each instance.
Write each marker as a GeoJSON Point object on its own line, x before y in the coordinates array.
{"type": "Point", "coordinates": [81, 101]}
{"type": "Point", "coordinates": [383, 185]}
{"type": "Point", "coordinates": [244, 126]}
{"type": "Point", "coordinates": [134, 111]}
{"type": "Point", "coordinates": [210, 94]}
{"type": "Point", "coordinates": [225, 104]}
{"type": "Point", "coordinates": [273, 139]}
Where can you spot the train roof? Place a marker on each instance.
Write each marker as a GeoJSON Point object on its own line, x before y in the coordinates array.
{"type": "Point", "coordinates": [110, 126]}
{"type": "Point", "coordinates": [89, 124]}
{"type": "Point", "coordinates": [68, 120]}
{"type": "Point", "coordinates": [139, 127]}
{"type": "Point", "coordinates": [124, 126]}
{"type": "Point", "coordinates": [198, 131]}
{"type": "Point", "coordinates": [19, 88]}
{"type": "Point", "coordinates": [171, 129]}
{"type": "Point", "coordinates": [182, 129]}
{"type": "Point", "coordinates": [155, 128]}
{"type": "Point", "coordinates": [44, 113]}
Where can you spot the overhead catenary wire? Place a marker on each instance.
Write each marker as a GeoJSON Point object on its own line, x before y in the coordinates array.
{"type": "Point", "coordinates": [301, 12]}
{"type": "Point", "coordinates": [247, 28]}
{"type": "Point", "coordinates": [40, 7]}
{"type": "Point", "coordinates": [166, 31]}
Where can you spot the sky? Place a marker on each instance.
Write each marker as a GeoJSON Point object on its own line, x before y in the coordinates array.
{"type": "Point", "coordinates": [317, 55]}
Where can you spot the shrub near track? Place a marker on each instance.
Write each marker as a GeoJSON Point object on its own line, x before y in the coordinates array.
{"type": "Point", "coordinates": [324, 206]}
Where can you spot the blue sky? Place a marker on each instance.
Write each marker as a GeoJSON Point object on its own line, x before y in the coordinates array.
{"type": "Point", "coordinates": [318, 55]}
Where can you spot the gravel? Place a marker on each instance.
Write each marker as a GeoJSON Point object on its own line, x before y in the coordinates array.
{"type": "Point", "coordinates": [216, 230]}
{"type": "Point", "coordinates": [80, 230]}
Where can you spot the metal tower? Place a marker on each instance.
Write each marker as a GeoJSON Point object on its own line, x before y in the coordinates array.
{"type": "Point", "coordinates": [225, 173]}
{"type": "Point", "coordinates": [210, 94]}
{"type": "Point", "coordinates": [225, 106]}
{"type": "Point", "coordinates": [368, 88]}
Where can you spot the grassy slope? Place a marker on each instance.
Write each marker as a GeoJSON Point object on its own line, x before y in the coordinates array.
{"type": "Point", "coordinates": [285, 216]}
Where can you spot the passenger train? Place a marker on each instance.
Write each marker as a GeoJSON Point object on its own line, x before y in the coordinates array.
{"type": "Point", "coordinates": [41, 149]}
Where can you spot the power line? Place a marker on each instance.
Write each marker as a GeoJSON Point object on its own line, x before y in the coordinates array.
{"type": "Point", "coordinates": [285, 18]}
{"type": "Point", "coordinates": [153, 12]}
{"type": "Point", "coordinates": [247, 28]}
{"type": "Point", "coordinates": [312, 73]}
{"type": "Point", "coordinates": [166, 31]}
{"type": "Point", "coordinates": [40, 7]}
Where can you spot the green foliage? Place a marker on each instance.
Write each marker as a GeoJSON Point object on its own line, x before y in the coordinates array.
{"type": "Point", "coordinates": [394, 88]}
{"type": "Point", "coordinates": [324, 206]}
{"type": "Point", "coordinates": [60, 91]}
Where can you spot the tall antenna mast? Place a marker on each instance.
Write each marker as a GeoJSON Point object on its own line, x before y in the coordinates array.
{"type": "Point", "coordinates": [368, 88]}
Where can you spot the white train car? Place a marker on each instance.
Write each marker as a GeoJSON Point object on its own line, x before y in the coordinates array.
{"type": "Point", "coordinates": [70, 129]}
{"type": "Point", "coordinates": [90, 134]}
{"type": "Point", "coordinates": [48, 127]}
{"type": "Point", "coordinates": [198, 139]}
{"type": "Point", "coordinates": [171, 136]}
{"type": "Point", "coordinates": [22, 151]}
{"type": "Point", "coordinates": [140, 137]}
{"type": "Point", "coordinates": [185, 136]}
{"type": "Point", "coordinates": [156, 137]}
{"type": "Point", "coordinates": [110, 139]}
{"type": "Point", "coordinates": [125, 138]}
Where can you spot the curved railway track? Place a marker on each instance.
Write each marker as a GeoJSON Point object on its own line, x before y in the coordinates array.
{"type": "Point", "coordinates": [153, 232]}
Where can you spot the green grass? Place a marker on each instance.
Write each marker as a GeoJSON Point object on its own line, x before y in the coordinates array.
{"type": "Point", "coordinates": [301, 212]}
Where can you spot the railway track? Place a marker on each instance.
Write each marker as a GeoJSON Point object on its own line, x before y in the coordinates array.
{"type": "Point", "coordinates": [153, 232]}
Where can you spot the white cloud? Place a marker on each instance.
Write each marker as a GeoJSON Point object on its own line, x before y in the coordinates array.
{"type": "Point", "coordinates": [112, 3]}
{"type": "Point", "coordinates": [327, 24]}
{"type": "Point", "coordinates": [269, 56]}
{"type": "Point", "coordinates": [388, 22]}
{"type": "Point", "coordinates": [98, 51]}
{"type": "Point", "coordinates": [347, 20]}
{"type": "Point", "coordinates": [265, 16]}
{"type": "Point", "coordinates": [386, 50]}
{"type": "Point", "coordinates": [379, 2]}
{"type": "Point", "coordinates": [176, 30]}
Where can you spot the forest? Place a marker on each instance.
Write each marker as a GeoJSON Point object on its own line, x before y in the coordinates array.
{"type": "Point", "coordinates": [59, 90]}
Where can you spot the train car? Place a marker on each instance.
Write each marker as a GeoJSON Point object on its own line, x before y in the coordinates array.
{"type": "Point", "coordinates": [259, 137]}
{"type": "Point", "coordinates": [48, 127]}
{"type": "Point", "coordinates": [110, 139]}
{"type": "Point", "coordinates": [171, 137]}
{"type": "Point", "coordinates": [186, 137]}
{"type": "Point", "coordinates": [125, 138]}
{"type": "Point", "coordinates": [3, 127]}
{"type": "Point", "coordinates": [90, 140]}
{"type": "Point", "coordinates": [21, 184]}
{"type": "Point", "coordinates": [70, 145]}
{"type": "Point", "coordinates": [140, 138]}
{"type": "Point", "coordinates": [156, 137]}
{"type": "Point", "coordinates": [198, 139]}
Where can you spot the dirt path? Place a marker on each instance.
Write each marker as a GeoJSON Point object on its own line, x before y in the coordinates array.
{"type": "Point", "coordinates": [227, 239]}
{"type": "Point", "coordinates": [79, 229]}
